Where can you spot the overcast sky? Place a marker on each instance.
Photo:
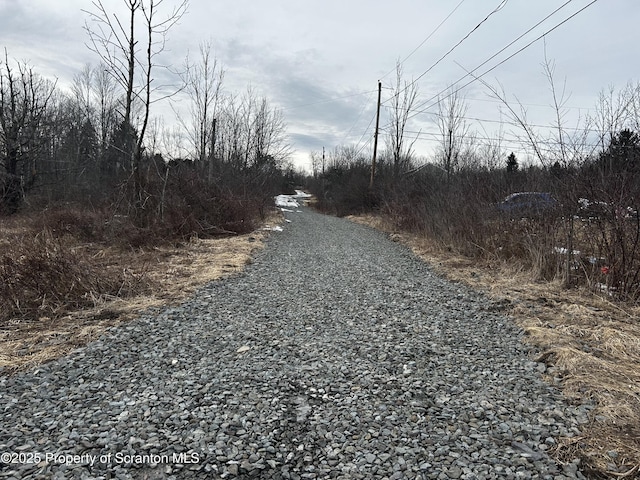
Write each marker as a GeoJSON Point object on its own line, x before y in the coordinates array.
{"type": "Point", "coordinates": [320, 61]}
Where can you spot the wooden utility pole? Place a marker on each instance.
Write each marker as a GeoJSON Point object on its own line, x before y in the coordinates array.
{"type": "Point", "coordinates": [375, 138]}
{"type": "Point", "coordinates": [213, 148]}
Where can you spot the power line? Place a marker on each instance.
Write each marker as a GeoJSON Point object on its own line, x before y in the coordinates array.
{"type": "Point", "coordinates": [503, 142]}
{"type": "Point", "coordinates": [494, 100]}
{"type": "Point", "coordinates": [495, 10]}
{"type": "Point", "coordinates": [502, 50]}
{"type": "Point", "coordinates": [329, 100]}
{"type": "Point", "coordinates": [364, 134]}
{"type": "Point", "coordinates": [514, 124]}
{"type": "Point", "coordinates": [516, 144]}
{"type": "Point", "coordinates": [437, 136]}
{"type": "Point", "coordinates": [426, 39]}
{"type": "Point", "coordinates": [547, 146]}
{"type": "Point", "coordinates": [364, 106]}
{"type": "Point", "coordinates": [477, 77]}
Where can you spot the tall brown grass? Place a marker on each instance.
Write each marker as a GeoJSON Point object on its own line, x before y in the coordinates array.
{"type": "Point", "coordinates": [44, 275]}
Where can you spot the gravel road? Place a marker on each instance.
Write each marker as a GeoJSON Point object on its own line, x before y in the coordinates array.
{"type": "Point", "coordinates": [336, 354]}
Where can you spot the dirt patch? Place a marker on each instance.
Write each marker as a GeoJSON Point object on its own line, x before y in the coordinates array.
{"type": "Point", "coordinates": [590, 344]}
{"type": "Point", "coordinates": [170, 274]}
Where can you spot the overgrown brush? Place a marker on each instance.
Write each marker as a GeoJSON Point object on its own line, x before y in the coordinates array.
{"type": "Point", "coordinates": [46, 263]}
{"type": "Point", "coordinates": [458, 212]}
{"type": "Point", "coordinates": [345, 191]}
{"type": "Point", "coordinates": [71, 220]}
{"type": "Point", "coordinates": [179, 202]}
{"type": "Point", "coordinates": [44, 276]}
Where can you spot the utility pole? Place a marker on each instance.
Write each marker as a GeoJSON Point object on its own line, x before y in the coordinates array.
{"type": "Point", "coordinates": [375, 139]}
{"type": "Point", "coordinates": [213, 148]}
{"type": "Point", "coordinates": [322, 160]}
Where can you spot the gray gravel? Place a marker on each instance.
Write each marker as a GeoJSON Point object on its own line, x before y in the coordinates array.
{"type": "Point", "coordinates": [336, 354]}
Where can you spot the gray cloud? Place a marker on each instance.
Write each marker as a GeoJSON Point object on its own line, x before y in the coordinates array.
{"type": "Point", "coordinates": [316, 60]}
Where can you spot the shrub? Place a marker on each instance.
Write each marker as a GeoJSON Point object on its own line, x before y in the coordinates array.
{"type": "Point", "coordinates": [41, 276]}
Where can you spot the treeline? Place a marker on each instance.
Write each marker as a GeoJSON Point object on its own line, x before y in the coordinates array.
{"type": "Point", "coordinates": [590, 237]}
{"type": "Point", "coordinates": [101, 143]}
{"type": "Point", "coordinates": [94, 165]}
{"type": "Point", "coordinates": [58, 146]}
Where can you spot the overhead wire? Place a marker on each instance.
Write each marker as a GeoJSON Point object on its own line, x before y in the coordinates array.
{"type": "Point", "coordinates": [329, 100]}
{"type": "Point", "coordinates": [437, 135]}
{"type": "Point", "coordinates": [494, 11]}
{"type": "Point", "coordinates": [421, 134]}
{"type": "Point", "coordinates": [505, 142]}
{"type": "Point", "coordinates": [488, 120]}
{"type": "Point", "coordinates": [503, 2]}
{"type": "Point", "coordinates": [364, 105]}
{"type": "Point", "coordinates": [390, 71]}
{"type": "Point", "coordinates": [477, 77]}
{"type": "Point", "coordinates": [363, 136]}
{"type": "Point", "coordinates": [500, 51]}
{"type": "Point", "coordinates": [541, 105]}
{"type": "Point", "coordinates": [500, 6]}
{"type": "Point", "coordinates": [426, 39]}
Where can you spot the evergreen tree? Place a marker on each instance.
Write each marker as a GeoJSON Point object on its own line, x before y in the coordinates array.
{"type": "Point", "coordinates": [556, 169]}
{"type": "Point", "coordinates": [121, 150]}
{"type": "Point", "coordinates": [512, 163]}
{"type": "Point", "coordinates": [623, 153]}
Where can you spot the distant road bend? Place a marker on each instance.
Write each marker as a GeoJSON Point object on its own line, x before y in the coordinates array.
{"type": "Point", "coordinates": [336, 354]}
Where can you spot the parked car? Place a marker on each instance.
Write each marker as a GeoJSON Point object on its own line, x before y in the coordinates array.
{"type": "Point", "coordinates": [528, 204]}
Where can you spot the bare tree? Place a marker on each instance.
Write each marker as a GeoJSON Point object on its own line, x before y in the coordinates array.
{"type": "Point", "coordinates": [104, 91]}
{"type": "Point", "coordinates": [24, 97]}
{"type": "Point", "coordinates": [251, 131]}
{"type": "Point", "coordinates": [634, 105]}
{"type": "Point", "coordinates": [491, 152]}
{"type": "Point", "coordinates": [454, 130]}
{"type": "Point", "coordinates": [203, 85]}
{"type": "Point", "coordinates": [564, 146]}
{"type": "Point", "coordinates": [402, 102]}
{"type": "Point", "coordinates": [343, 156]}
{"type": "Point", "coordinates": [229, 131]}
{"type": "Point", "coordinates": [248, 107]}
{"type": "Point", "coordinates": [615, 111]}
{"type": "Point", "coordinates": [517, 118]}
{"type": "Point", "coordinates": [82, 90]}
{"type": "Point", "coordinates": [270, 139]}
{"type": "Point", "coordinates": [568, 145]}
{"type": "Point", "coordinates": [118, 46]}
{"type": "Point", "coordinates": [317, 160]}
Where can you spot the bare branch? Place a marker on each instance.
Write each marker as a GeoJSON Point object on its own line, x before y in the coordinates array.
{"type": "Point", "coordinates": [402, 102]}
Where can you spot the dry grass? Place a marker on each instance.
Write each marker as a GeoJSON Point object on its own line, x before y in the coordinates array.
{"type": "Point", "coordinates": [590, 345]}
{"type": "Point", "coordinates": [169, 275]}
